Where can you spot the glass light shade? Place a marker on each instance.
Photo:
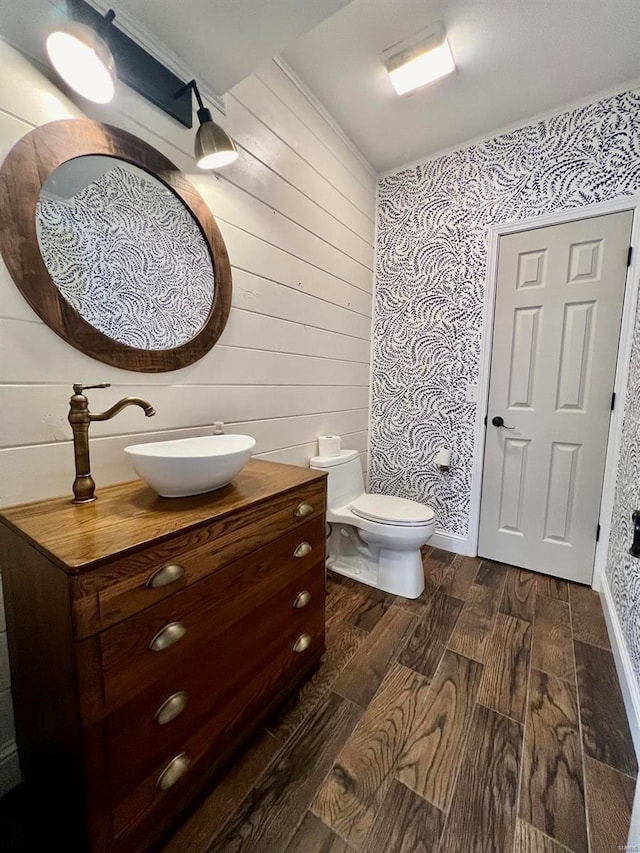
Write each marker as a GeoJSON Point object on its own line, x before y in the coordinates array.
{"type": "Point", "coordinates": [423, 68]}
{"type": "Point", "coordinates": [213, 146]}
{"type": "Point", "coordinates": [84, 61]}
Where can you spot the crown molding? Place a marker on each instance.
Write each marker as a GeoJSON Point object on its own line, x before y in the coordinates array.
{"type": "Point", "coordinates": [160, 51]}
{"type": "Point", "coordinates": [324, 113]}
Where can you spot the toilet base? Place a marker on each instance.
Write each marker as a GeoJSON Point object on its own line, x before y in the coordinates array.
{"type": "Point", "coordinates": [396, 572]}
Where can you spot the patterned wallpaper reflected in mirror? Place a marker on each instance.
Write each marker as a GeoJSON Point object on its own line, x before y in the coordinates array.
{"type": "Point", "coordinates": [125, 252]}
{"type": "Point", "coordinates": [113, 247]}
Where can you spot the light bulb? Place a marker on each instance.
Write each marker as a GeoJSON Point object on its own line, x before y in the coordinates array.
{"type": "Point", "coordinates": [84, 61]}
{"type": "Point", "coordinates": [220, 158]}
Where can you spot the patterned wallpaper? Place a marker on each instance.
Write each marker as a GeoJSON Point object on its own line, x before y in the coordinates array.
{"type": "Point", "coordinates": [130, 258]}
{"type": "Point", "coordinates": [623, 570]}
{"type": "Point", "coordinates": [431, 266]}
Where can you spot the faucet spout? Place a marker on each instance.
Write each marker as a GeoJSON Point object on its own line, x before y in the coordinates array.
{"type": "Point", "coordinates": [122, 404]}
{"type": "Point", "coordinates": [80, 418]}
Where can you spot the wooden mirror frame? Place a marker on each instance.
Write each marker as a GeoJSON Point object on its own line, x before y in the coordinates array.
{"type": "Point", "coordinates": [22, 176]}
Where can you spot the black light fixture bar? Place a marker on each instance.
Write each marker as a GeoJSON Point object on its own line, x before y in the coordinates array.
{"type": "Point", "coordinates": [204, 114]}
{"type": "Point", "coordinates": [137, 68]}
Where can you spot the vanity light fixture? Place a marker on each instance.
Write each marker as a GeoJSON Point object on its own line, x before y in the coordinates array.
{"type": "Point", "coordinates": [136, 67]}
{"type": "Point", "coordinates": [213, 146]}
{"type": "Point", "coordinates": [419, 60]}
{"type": "Point", "coordinates": [83, 59]}
{"type": "Point", "coordinates": [81, 56]}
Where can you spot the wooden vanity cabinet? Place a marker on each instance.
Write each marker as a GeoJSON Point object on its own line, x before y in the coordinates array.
{"type": "Point", "coordinates": [148, 637]}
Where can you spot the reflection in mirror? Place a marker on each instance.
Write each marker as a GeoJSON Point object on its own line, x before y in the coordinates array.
{"type": "Point", "coordinates": [97, 227]}
{"type": "Point", "coordinates": [125, 252]}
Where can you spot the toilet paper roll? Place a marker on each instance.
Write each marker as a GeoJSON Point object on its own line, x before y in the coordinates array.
{"type": "Point", "coordinates": [443, 458]}
{"type": "Point", "coordinates": [329, 445]}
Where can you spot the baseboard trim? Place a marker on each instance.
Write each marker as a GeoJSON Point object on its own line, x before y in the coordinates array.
{"type": "Point", "coordinates": [626, 674]}
{"type": "Point", "coordinates": [630, 691]}
{"type": "Point", "coordinates": [452, 542]}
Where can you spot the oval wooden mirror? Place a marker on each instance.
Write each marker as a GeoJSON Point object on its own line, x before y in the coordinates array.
{"type": "Point", "coordinates": [113, 247]}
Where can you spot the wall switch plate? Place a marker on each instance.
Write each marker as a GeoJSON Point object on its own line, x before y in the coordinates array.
{"type": "Point", "coordinates": [471, 394]}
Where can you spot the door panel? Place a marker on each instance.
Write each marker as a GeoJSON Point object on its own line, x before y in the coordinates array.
{"type": "Point", "coordinates": [559, 300]}
{"type": "Point", "coordinates": [526, 331]}
{"type": "Point", "coordinates": [531, 269]}
{"type": "Point", "coordinates": [575, 359]}
{"type": "Point", "coordinates": [561, 494]}
{"type": "Point", "coordinates": [514, 477]}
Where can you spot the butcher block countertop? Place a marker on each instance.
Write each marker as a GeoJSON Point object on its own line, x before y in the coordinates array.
{"type": "Point", "coordinates": [130, 516]}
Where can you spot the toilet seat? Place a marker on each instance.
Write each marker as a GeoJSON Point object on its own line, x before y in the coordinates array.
{"type": "Point", "coordinates": [387, 509]}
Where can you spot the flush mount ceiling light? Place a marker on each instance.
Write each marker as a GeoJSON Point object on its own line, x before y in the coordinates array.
{"type": "Point", "coordinates": [81, 56]}
{"type": "Point", "coordinates": [213, 146]}
{"type": "Point", "coordinates": [419, 60]}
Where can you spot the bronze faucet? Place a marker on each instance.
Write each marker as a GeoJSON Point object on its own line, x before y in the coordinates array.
{"type": "Point", "coordinates": [80, 417]}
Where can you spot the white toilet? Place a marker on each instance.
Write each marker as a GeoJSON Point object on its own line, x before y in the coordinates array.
{"type": "Point", "coordinates": [375, 539]}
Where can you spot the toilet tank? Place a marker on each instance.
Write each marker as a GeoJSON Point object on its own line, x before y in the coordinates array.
{"type": "Point", "coordinates": [345, 482]}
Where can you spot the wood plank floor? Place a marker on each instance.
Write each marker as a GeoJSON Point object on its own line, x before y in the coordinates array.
{"type": "Point", "coordinates": [484, 716]}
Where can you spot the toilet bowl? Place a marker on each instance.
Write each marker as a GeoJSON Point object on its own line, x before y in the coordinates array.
{"type": "Point", "coordinates": [375, 539]}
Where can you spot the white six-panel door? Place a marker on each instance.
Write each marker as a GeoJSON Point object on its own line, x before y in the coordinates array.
{"type": "Point", "coordinates": [559, 300]}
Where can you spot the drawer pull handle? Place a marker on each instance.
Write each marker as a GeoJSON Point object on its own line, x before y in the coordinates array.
{"type": "Point", "coordinates": [302, 600]}
{"type": "Point", "coordinates": [302, 550]}
{"type": "Point", "coordinates": [302, 643]}
{"type": "Point", "coordinates": [173, 772]}
{"type": "Point", "coordinates": [303, 509]}
{"type": "Point", "coordinates": [165, 575]}
{"type": "Point", "coordinates": [170, 708]}
{"type": "Point", "coordinates": [167, 636]}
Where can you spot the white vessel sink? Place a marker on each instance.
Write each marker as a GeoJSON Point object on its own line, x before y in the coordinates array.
{"type": "Point", "coordinates": [191, 466]}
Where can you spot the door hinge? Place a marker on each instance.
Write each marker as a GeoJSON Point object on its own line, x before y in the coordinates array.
{"type": "Point", "coordinates": [613, 401]}
{"type": "Point", "coordinates": [598, 534]}
{"type": "Point", "coordinates": [629, 254]}
{"type": "Point", "coordinates": [485, 419]}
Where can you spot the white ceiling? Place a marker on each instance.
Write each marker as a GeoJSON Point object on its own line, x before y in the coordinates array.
{"type": "Point", "coordinates": [224, 40]}
{"type": "Point", "coordinates": [219, 42]}
{"type": "Point", "coordinates": [515, 58]}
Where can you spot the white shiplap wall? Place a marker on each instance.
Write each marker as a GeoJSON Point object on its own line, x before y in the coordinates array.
{"type": "Point", "coordinates": [296, 212]}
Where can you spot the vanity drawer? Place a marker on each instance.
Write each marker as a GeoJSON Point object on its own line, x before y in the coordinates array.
{"type": "Point", "coordinates": [207, 745]}
{"type": "Point", "coordinates": [126, 587]}
{"type": "Point", "coordinates": [82, 572]}
{"type": "Point", "coordinates": [155, 724]}
{"type": "Point", "coordinates": [147, 647]}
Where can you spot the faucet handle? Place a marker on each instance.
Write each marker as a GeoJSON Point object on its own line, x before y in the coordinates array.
{"type": "Point", "coordinates": [78, 388]}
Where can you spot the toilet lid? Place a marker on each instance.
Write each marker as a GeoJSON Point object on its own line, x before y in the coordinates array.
{"type": "Point", "coordinates": [392, 510]}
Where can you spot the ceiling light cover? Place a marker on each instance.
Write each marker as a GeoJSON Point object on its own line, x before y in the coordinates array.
{"type": "Point", "coordinates": [83, 60]}
{"type": "Point", "coordinates": [420, 60]}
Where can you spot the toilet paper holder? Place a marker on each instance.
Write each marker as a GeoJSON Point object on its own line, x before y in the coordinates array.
{"type": "Point", "coordinates": [443, 459]}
